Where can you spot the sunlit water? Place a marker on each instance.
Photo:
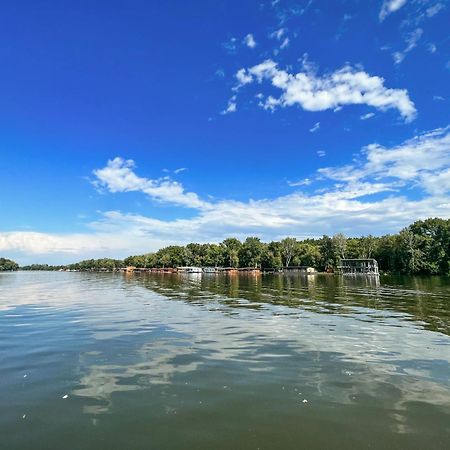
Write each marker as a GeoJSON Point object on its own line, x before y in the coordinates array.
{"type": "Point", "coordinates": [164, 361]}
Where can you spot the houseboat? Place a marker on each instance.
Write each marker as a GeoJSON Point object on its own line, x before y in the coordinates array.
{"type": "Point", "coordinates": [362, 266]}
{"type": "Point", "coordinates": [304, 270]}
{"type": "Point", "coordinates": [190, 269]}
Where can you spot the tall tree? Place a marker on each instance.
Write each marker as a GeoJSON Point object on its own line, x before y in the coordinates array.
{"type": "Point", "coordinates": [251, 252]}
{"type": "Point", "coordinates": [288, 249]}
{"type": "Point", "coordinates": [231, 248]}
{"type": "Point", "coordinates": [340, 244]}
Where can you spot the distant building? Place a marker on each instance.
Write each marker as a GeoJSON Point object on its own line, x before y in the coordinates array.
{"type": "Point", "coordinates": [367, 266]}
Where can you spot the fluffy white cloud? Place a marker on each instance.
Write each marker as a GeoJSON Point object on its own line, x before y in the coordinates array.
{"type": "Point", "coordinates": [118, 176]}
{"type": "Point", "coordinates": [390, 6]}
{"type": "Point", "coordinates": [346, 86]}
{"type": "Point", "coordinates": [346, 203]}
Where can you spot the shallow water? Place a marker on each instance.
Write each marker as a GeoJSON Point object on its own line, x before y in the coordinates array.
{"type": "Point", "coordinates": [167, 361]}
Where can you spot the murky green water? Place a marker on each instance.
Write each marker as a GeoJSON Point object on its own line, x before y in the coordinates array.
{"type": "Point", "coordinates": [177, 362]}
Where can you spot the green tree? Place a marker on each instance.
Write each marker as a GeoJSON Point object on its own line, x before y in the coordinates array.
{"type": "Point", "coordinates": [307, 254]}
{"type": "Point", "coordinates": [328, 253]}
{"type": "Point", "coordinates": [7, 265]}
{"type": "Point", "coordinates": [251, 252]}
{"type": "Point", "coordinates": [340, 245]}
{"type": "Point", "coordinates": [231, 248]}
{"type": "Point", "coordinates": [288, 249]}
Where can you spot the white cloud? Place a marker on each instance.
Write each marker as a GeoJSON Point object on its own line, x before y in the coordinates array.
{"type": "Point", "coordinates": [367, 116]}
{"type": "Point", "coordinates": [321, 153]}
{"type": "Point", "coordinates": [285, 43]}
{"type": "Point", "coordinates": [411, 42]}
{"type": "Point", "coordinates": [417, 162]}
{"type": "Point", "coordinates": [346, 86]}
{"type": "Point", "coordinates": [249, 41]}
{"type": "Point", "coordinates": [278, 34]}
{"type": "Point", "coordinates": [304, 182]}
{"type": "Point", "coordinates": [315, 127]}
{"type": "Point", "coordinates": [390, 6]}
{"type": "Point", "coordinates": [344, 203]}
{"type": "Point", "coordinates": [118, 176]}
{"type": "Point", "coordinates": [432, 48]}
{"type": "Point", "coordinates": [231, 107]}
{"type": "Point", "coordinates": [434, 9]}
{"type": "Point", "coordinates": [243, 78]}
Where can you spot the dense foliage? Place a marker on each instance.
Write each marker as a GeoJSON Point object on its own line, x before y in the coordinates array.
{"type": "Point", "coordinates": [8, 265]}
{"type": "Point", "coordinates": [421, 248]}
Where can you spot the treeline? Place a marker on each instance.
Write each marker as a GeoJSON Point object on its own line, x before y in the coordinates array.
{"type": "Point", "coordinates": [7, 265]}
{"type": "Point", "coordinates": [87, 264]}
{"type": "Point", "coordinates": [421, 248]}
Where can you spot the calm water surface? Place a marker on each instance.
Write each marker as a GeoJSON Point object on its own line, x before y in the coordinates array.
{"type": "Point", "coordinates": [211, 362]}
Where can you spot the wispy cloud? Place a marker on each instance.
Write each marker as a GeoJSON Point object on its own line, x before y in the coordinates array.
{"type": "Point", "coordinates": [281, 36]}
{"type": "Point", "coordinates": [411, 40]}
{"type": "Point", "coordinates": [346, 86]}
{"type": "Point", "coordinates": [367, 116]}
{"type": "Point", "coordinates": [390, 6]}
{"type": "Point", "coordinates": [303, 182]}
{"type": "Point", "coordinates": [315, 127]}
{"type": "Point", "coordinates": [231, 45]}
{"type": "Point", "coordinates": [278, 34]}
{"type": "Point", "coordinates": [421, 162]}
{"type": "Point", "coordinates": [434, 9]}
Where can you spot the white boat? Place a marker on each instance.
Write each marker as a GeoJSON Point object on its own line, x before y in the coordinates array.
{"type": "Point", "coordinates": [190, 269]}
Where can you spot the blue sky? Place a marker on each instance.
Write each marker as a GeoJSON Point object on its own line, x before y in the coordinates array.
{"type": "Point", "coordinates": [128, 126]}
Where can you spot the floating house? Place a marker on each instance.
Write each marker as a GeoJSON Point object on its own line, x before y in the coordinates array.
{"type": "Point", "coordinates": [361, 266]}
{"type": "Point", "coordinates": [305, 270]}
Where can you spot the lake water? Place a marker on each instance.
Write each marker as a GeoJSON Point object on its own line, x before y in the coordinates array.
{"type": "Point", "coordinates": [165, 361]}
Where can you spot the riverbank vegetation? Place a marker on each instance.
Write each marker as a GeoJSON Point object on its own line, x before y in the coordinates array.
{"type": "Point", "coordinates": [7, 265]}
{"type": "Point", "coordinates": [421, 248]}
